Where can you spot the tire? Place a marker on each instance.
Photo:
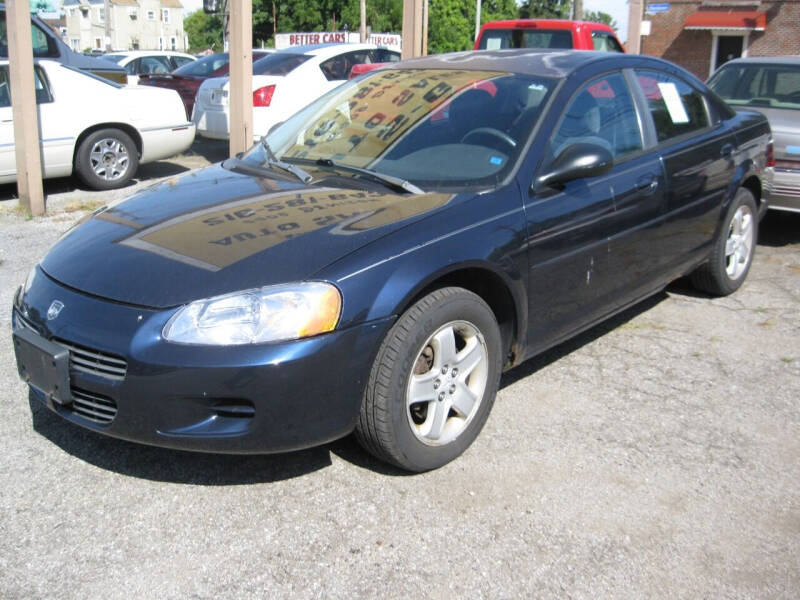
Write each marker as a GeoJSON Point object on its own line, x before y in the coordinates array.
{"type": "Point", "coordinates": [418, 412]}
{"type": "Point", "coordinates": [733, 250]}
{"type": "Point", "coordinates": [106, 159]}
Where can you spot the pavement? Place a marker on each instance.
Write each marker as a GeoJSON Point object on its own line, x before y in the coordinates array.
{"type": "Point", "coordinates": [655, 456]}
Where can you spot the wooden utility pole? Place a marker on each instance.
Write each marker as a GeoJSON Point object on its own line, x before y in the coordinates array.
{"type": "Point", "coordinates": [412, 28]}
{"type": "Point", "coordinates": [362, 30]}
{"type": "Point", "coordinates": [477, 18]}
{"type": "Point", "coordinates": [23, 106]}
{"type": "Point", "coordinates": [577, 10]}
{"type": "Point", "coordinates": [633, 45]}
{"type": "Point", "coordinates": [241, 73]}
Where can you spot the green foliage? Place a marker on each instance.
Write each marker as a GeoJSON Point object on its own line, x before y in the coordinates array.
{"type": "Point", "coordinates": [545, 9]}
{"type": "Point", "coordinates": [451, 23]}
{"type": "Point", "coordinates": [598, 16]}
{"type": "Point", "coordinates": [42, 5]}
{"type": "Point", "coordinates": [384, 16]}
{"type": "Point", "coordinates": [204, 31]}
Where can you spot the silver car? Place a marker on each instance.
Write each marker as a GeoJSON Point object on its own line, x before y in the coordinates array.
{"type": "Point", "coordinates": [771, 86]}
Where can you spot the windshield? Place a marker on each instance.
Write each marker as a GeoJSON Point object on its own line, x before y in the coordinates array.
{"type": "Point", "coordinates": [437, 128]}
{"type": "Point", "coordinates": [500, 39]}
{"type": "Point", "coordinates": [759, 85]}
{"type": "Point", "coordinates": [203, 67]}
{"type": "Point", "coordinates": [278, 63]}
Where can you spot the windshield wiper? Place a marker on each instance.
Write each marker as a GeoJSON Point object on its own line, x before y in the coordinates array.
{"type": "Point", "coordinates": [389, 180]}
{"type": "Point", "coordinates": [273, 161]}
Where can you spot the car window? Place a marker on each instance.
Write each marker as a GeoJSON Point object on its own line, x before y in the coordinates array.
{"type": "Point", "coordinates": [179, 61]}
{"type": "Point", "coordinates": [278, 63]}
{"type": "Point", "coordinates": [382, 55]}
{"type": "Point", "coordinates": [41, 87]}
{"type": "Point", "coordinates": [601, 113]}
{"type": "Point", "coordinates": [440, 128]}
{"type": "Point", "coordinates": [605, 42]}
{"type": "Point", "coordinates": [155, 65]}
{"type": "Point", "coordinates": [338, 67]}
{"type": "Point", "coordinates": [42, 44]}
{"type": "Point", "coordinates": [676, 107]}
{"type": "Point", "coordinates": [500, 39]}
{"type": "Point", "coordinates": [204, 66]}
{"type": "Point", "coordinates": [776, 85]}
{"type": "Point", "coordinates": [132, 68]}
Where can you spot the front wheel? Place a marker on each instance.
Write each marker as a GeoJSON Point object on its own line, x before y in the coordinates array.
{"type": "Point", "coordinates": [433, 382]}
{"type": "Point", "coordinates": [733, 250]}
{"type": "Point", "coordinates": [106, 159]}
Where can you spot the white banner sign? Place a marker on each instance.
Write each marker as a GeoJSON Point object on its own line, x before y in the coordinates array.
{"type": "Point", "coordinates": [287, 40]}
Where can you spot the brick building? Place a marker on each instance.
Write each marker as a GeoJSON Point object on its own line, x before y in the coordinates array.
{"type": "Point", "coordinates": [702, 35]}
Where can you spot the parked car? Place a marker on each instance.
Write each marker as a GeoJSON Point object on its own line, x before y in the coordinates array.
{"type": "Point", "coordinates": [772, 87]}
{"type": "Point", "coordinates": [186, 80]}
{"type": "Point", "coordinates": [361, 68]}
{"type": "Point", "coordinates": [97, 129]}
{"type": "Point", "coordinates": [547, 33]}
{"type": "Point", "coordinates": [282, 83]}
{"type": "Point", "coordinates": [145, 62]}
{"type": "Point", "coordinates": [379, 258]}
{"type": "Point", "coordinates": [46, 44]}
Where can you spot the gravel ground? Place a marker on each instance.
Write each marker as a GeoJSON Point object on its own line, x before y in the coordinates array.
{"type": "Point", "coordinates": [655, 456]}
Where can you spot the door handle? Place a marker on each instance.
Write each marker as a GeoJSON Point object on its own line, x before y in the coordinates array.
{"type": "Point", "coordinates": [647, 184]}
{"type": "Point", "coordinates": [726, 151]}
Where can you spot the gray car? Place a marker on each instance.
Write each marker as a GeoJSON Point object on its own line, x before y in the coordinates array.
{"type": "Point", "coordinates": [771, 86]}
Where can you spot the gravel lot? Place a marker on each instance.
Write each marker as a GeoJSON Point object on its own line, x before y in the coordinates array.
{"type": "Point", "coordinates": [656, 456]}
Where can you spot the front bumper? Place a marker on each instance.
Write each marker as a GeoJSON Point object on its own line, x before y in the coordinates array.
{"type": "Point", "coordinates": [126, 382]}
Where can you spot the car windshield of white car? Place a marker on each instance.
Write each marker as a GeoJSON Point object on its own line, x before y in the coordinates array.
{"type": "Point", "coordinates": [437, 128]}
{"type": "Point", "coordinates": [769, 86]}
{"type": "Point", "coordinates": [279, 63]}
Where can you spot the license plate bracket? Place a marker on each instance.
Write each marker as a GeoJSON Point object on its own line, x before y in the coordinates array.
{"type": "Point", "coordinates": [44, 365]}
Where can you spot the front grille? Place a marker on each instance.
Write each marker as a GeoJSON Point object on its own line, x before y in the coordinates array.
{"type": "Point", "coordinates": [95, 362]}
{"type": "Point", "coordinates": [93, 407]}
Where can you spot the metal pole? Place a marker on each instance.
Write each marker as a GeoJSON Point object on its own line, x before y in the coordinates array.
{"type": "Point", "coordinates": [477, 18]}
{"type": "Point", "coordinates": [23, 106]}
{"type": "Point", "coordinates": [241, 72]}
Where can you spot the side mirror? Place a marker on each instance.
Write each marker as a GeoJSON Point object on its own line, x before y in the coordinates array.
{"type": "Point", "coordinates": [576, 162]}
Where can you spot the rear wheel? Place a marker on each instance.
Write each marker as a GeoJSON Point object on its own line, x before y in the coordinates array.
{"type": "Point", "coordinates": [733, 250]}
{"type": "Point", "coordinates": [433, 382]}
{"type": "Point", "coordinates": [106, 159]}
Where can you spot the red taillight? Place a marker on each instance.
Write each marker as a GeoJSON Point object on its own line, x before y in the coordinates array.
{"type": "Point", "coordinates": [263, 96]}
{"type": "Point", "coordinates": [770, 154]}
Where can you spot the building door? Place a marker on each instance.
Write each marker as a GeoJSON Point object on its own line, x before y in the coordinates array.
{"type": "Point", "coordinates": [728, 48]}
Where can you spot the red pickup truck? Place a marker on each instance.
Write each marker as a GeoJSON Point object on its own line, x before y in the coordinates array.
{"type": "Point", "coordinates": [547, 33]}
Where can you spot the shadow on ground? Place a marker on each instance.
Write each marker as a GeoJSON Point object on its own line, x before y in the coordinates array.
{"type": "Point", "coordinates": [779, 228]}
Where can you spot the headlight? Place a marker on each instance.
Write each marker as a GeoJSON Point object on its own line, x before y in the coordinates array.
{"type": "Point", "coordinates": [29, 279]}
{"type": "Point", "coordinates": [268, 314]}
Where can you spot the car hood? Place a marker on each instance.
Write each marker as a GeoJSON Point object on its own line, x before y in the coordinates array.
{"type": "Point", "coordinates": [215, 231]}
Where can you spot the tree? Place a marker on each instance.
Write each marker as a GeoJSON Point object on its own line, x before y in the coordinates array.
{"type": "Point", "coordinates": [451, 23]}
{"type": "Point", "coordinates": [545, 9]}
{"type": "Point", "coordinates": [598, 16]}
{"type": "Point", "coordinates": [204, 31]}
{"type": "Point", "coordinates": [383, 16]}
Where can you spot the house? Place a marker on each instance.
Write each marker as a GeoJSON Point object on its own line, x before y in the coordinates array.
{"type": "Point", "coordinates": [703, 35]}
{"type": "Point", "coordinates": [129, 25]}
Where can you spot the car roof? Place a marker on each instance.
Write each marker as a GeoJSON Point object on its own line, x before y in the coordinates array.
{"type": "Point", "coordinates": [529, 61]}
{"type": "Point", "coordinates": [551, 23]}
{"type": "Point", "coordinates": [149, 53]}
{"type": "Point", "coordinates": [326, 50]}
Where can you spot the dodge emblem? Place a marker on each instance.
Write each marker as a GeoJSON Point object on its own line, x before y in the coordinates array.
{"type": "Point", "coordinates": [54, 310]}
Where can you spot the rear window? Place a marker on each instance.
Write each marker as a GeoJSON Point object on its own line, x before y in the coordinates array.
{"type": "Point", "coordinates": [500, 39]}
{"type": "Point", "coordinates": [278, 63]}
{"type": "Point", "coordinates": [775, 86]}
{"type": "Point", "coordinates": [203, 67]}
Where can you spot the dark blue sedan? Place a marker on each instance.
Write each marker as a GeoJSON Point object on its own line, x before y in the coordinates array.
{"type": "Point", "coordinates": [381, 257]}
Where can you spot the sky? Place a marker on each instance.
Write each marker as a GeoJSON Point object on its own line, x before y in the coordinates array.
{"type": "Point", "coordinates": [616, 8]}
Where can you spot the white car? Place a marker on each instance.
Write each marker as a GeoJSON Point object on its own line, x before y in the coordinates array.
{"type": "Point", "coordinates": [148, 62]}
{"type": "Point", "coordinates": [283, 83]}
{"type": "Point", "coordinates": [98, 129]}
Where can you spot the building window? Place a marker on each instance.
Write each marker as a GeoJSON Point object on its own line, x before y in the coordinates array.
{"type": "Point", "coordinates": [172, 43]}
{"type": "Point", "coordinates": [165, 15]}
{"type": "Point", "coordinates": [98, 43]}
{"type": "Point", "coordinates": [160, 43]}
{"type": "Point", "coordinates": [151, 15]}
{"type": "Point", "coordinates": [133, 14]}
{"type": "Point", "coordinates": [76, 44]}
{"type": "Point", "coordinates": [71, 12]}
{"type": "Point", "coordinates": [102, 14]}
